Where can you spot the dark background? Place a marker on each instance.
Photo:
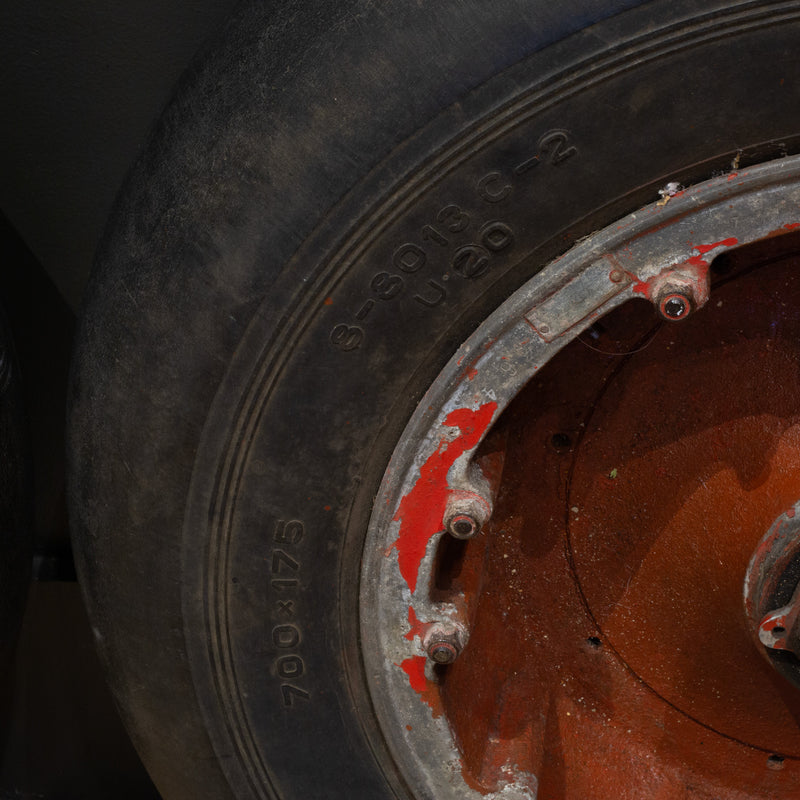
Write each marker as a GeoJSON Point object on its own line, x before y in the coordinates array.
{"type": "Point", "coordinates": [81, 84]}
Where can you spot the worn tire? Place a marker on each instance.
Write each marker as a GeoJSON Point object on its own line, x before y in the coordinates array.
{"type": "Point", "coordinates": [287, 270]}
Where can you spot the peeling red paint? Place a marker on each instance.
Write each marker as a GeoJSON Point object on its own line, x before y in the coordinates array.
{"type": "Point", "coordinates": [699, 262]}
{"type": "Point", "coordinates": [421, 511]}
{"type": "Point", "coordinates": [428, 692]}
{"type": "Point", "coordinates": [414, 667]}
{"type": "Point", "coordinates": [731, 241]}
{"type": "Point", "coordinates": [417, 627]}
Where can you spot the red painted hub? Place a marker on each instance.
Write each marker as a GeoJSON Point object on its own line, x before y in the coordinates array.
{"type": "Point", "coordinates": [610, 652]}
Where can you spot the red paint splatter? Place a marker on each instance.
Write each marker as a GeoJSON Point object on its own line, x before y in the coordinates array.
{"type": "Point", "coordinates": [421, 511]}
{"type": "Point", "coordinates": [472, 373]}
{"type": "Point", "coordinates": [707, 248]}
{"type": "Point", "coordinates": [700, 263]}
{"type": "Point", "coordinates": [417, 627]}
{"type": "Point", "coordinates": [733, 175]}
{"type": "Point", "coordinates": [414, 667]}
{"type": "Point", "coordinates": [790, 226]}
{"type": "Point", "coordinates": [428, 692]}
{"type": "Point", "coordinates": [328, 301]}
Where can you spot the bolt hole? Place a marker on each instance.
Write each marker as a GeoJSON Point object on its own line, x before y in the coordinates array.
{"type": "Point", "coordinates": [463, 527]}
{"type": "Point", "coordinates": [778, 630]}
{"type": "Point", "coordinates": [593, 641]}
{"type": "Point", "coordinates": [561, 441]}
{"type": "Point", "coordinates": [775, 762]}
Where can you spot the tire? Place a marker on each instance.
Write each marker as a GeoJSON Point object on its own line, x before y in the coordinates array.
{"type": "Point", "coordinates": [275, 293]}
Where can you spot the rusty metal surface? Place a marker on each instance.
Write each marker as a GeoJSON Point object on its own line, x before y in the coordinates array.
{"type": "Point", "coordinates": [551, 663]}
{"type": "Point", "coordinates": [610, 652]}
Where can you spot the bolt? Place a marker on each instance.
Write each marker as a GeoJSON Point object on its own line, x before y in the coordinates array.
{"type": "Point", "coordinates": [462, 526]}
{"type": "Point", "coordinates": [442, 653]}
{"type": "Point", "coordinates": [443, 645]}
{"type": "Point", "coordinates": [674, 307]}
{"type": "Point", "coordinates": [616, 276]}
{"type": "Point", "coordinates": [466, 513]}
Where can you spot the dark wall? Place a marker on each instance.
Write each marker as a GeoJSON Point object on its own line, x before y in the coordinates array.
{"type": "Point", "coordinates": [81, 82]}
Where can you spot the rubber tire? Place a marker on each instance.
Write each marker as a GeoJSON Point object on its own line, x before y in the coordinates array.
{"type": "Point", "coordinates": [259, 325]}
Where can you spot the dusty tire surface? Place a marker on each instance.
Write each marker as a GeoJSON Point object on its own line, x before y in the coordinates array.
{"type": "Point", "coordinates": [334, 200]}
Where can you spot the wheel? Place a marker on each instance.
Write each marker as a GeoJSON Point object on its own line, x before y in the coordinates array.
{"type": "Point", "coordinates": [356, 235]}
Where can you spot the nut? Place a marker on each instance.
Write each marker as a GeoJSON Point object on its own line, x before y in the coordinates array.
{"type": "Point", "coordinates": [466, 514]}
{"type": "Point", "coordinates": [463, 526]}
{"type": "Point", "coordinates": [442, 652]}
{"type": "Point", "coordinates": [677, 293]}
{"type": "Point", "coordinates": [443, 644]}
{"type": "Point", "coordinates": [674, 306]}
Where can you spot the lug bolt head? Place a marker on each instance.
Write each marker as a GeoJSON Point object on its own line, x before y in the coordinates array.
{"type": "Point", "coordinates": [443, 644]}
{"type": "Point", "coordinates": [462, 526]}
{"type": "Point", "coordinates": [675, 307]}
{"type": "Point", "coordinates": [442, 652]}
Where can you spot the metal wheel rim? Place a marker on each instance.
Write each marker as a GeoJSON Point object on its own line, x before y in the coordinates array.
{"type": "Point", "coordinates": [630, 258]}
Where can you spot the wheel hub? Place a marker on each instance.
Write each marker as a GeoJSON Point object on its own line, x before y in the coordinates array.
{"type": "Point", "coordinates": [772, 594]}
